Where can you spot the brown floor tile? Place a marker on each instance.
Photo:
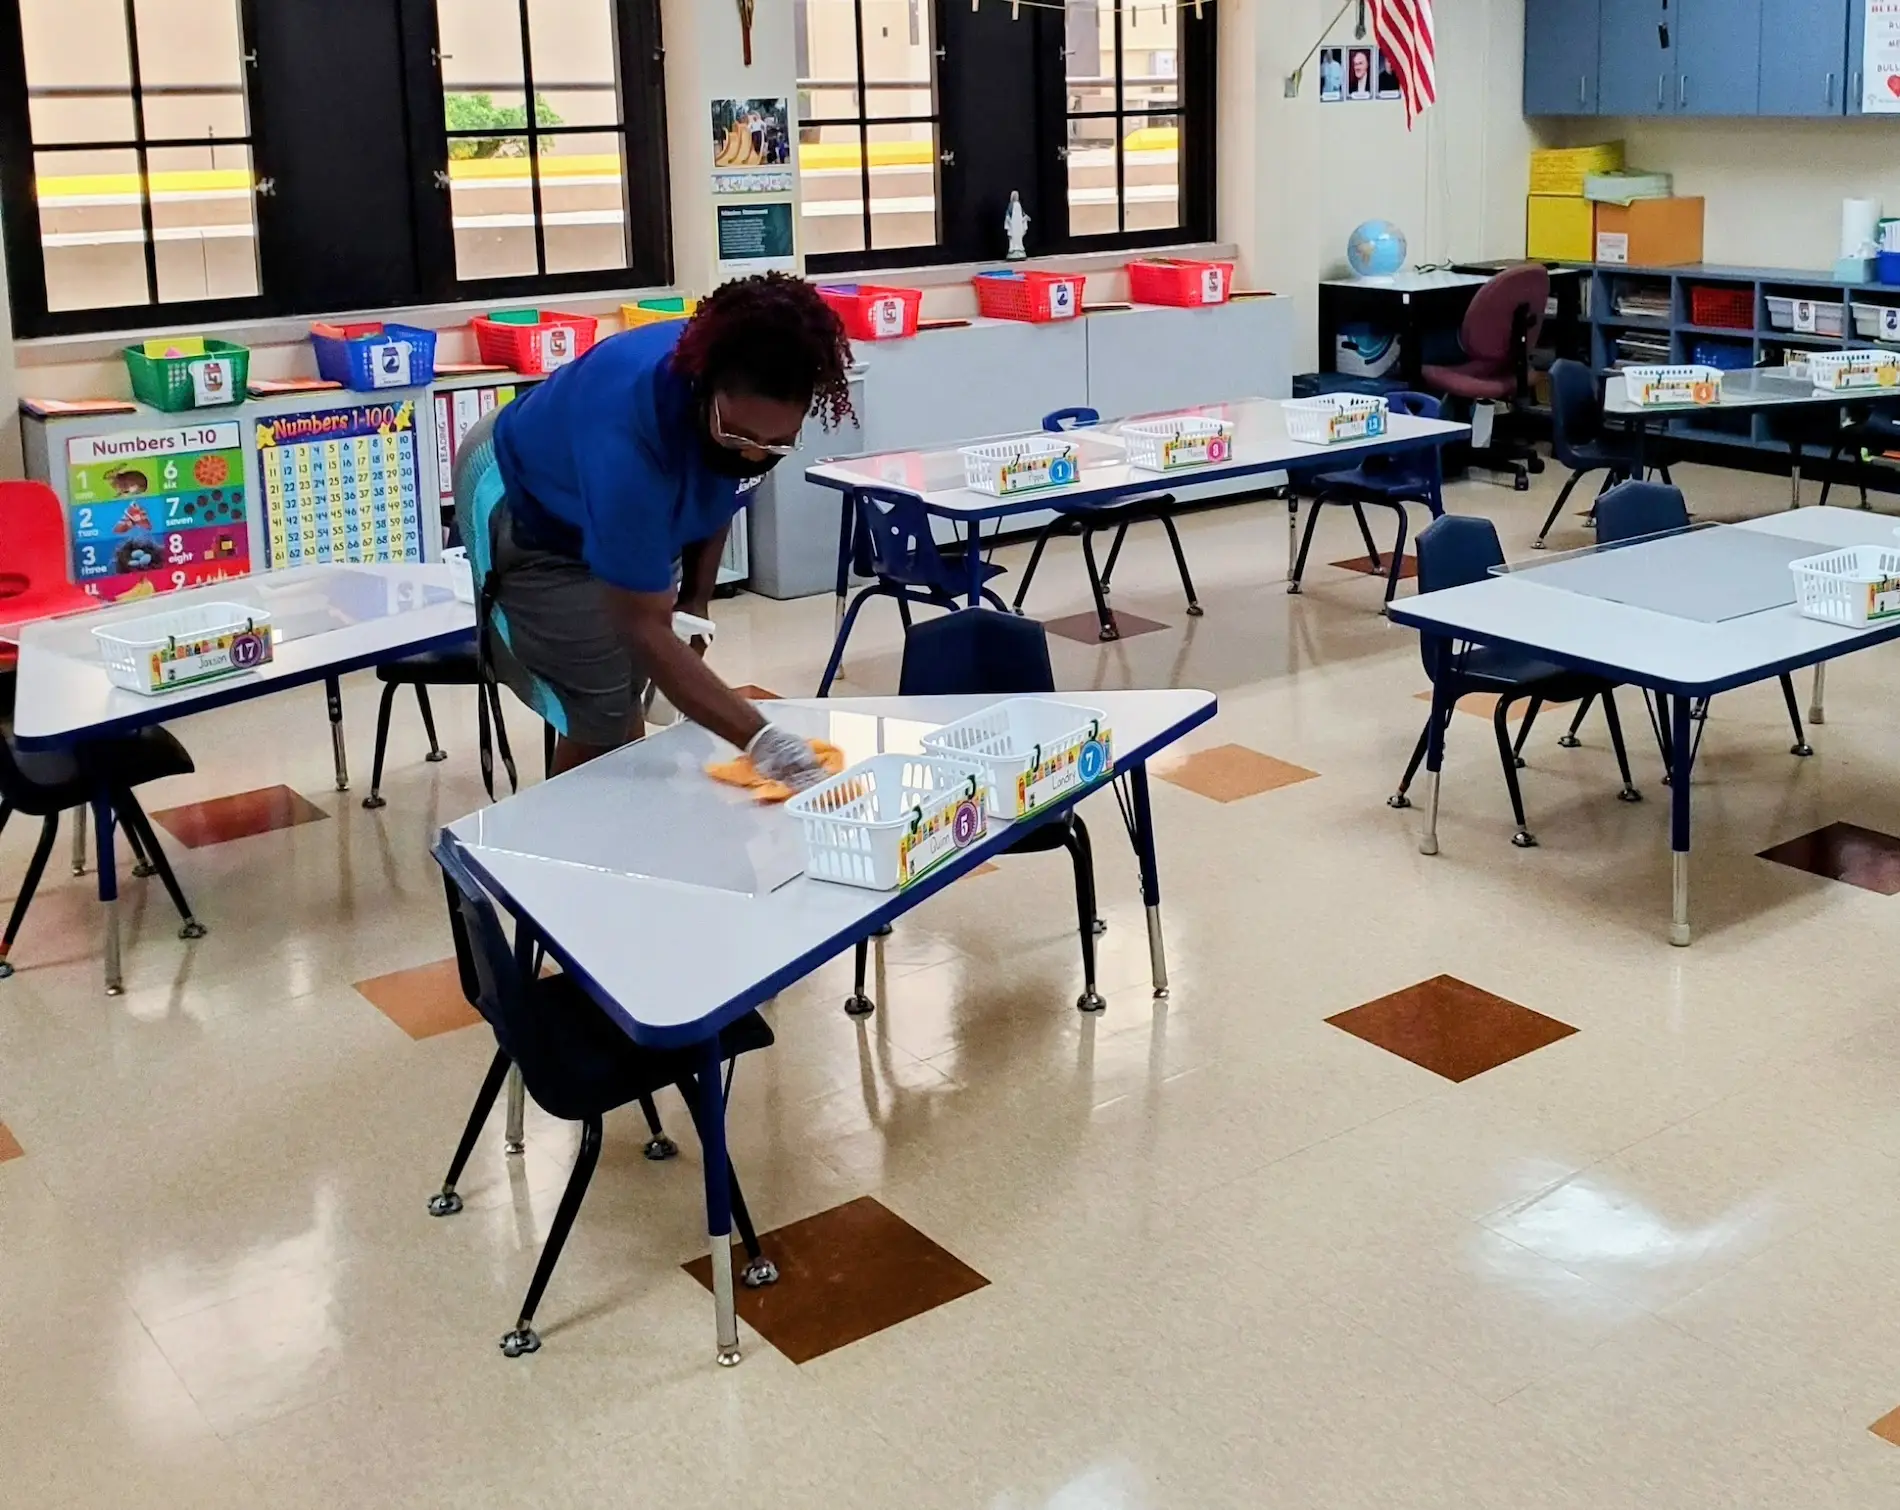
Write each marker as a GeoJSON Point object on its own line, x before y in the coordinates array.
{"type": "Point", "coordinates": [1363, 564]}
{"type": "Point", "coordinates": [423, 1001]}
{"type": "Point", "coordinates": [988, 867]}
{"type": "Point", "coordinates": [1862, 857]}
{"type": "Point", "coordinates": [756, 693]}
{"type": "Point", "coordinates": [1229, 773]}
{"type": "Point", "coordinates": [1479, 704]}
{"type": "Point", "coordinates": [238, 816]}
{"type": "Point", "coordinates": [1451, 1028]}
{"type": "Point", "coordinates": [1087, 629]}
{"type": "Point", "coordinates": [9, 1145]}
{"type": "Point", "coordinates": [844, 1274]}
{"type": "Point", "coordinates": [1887, 1428]}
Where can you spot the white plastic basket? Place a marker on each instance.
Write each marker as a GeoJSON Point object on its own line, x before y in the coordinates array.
{"type": "Point", "coordinates": [1854, 587]}
{"type": "Point", "coordinates": [1691, 383]}
{"type": "Point", "coordinates": [1877, 322]}
{"type": "Point", "coordinates": [889, 820]}
{"type": "Point", "coordinates": [1003, 467]}
{"type": "Point", "coordinates": [1033, 750]}
{"type": "Point", "coordinates": [1335, 417]}
{"type": "Point", "coordinates": [1188, 440]}
{"type": "Point", "coordinates": [1838, 371]}
{"type": "Point", "coordinates": [186, 646]}
{"type": "Point", "coordinates": [1826, 315]}
{"type": "Point", "coordinates": [461, 573]}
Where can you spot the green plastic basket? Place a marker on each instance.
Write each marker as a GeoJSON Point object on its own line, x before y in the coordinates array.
{"type": "Point", "coordinates": [167, 382]}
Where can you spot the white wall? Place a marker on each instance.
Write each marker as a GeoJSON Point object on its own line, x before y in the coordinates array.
{"type": "Point", "coordinates": [1298, 175]}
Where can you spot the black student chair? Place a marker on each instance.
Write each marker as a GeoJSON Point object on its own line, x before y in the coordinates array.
{"type": "Point", "coordinates": [576, 1064]}
{"type": "Point", "coordinates": [979, 651]}
{"type": "Point", "coordinates": [1452, 552]}
{"type": "Point", "coordinates": [1579, 441]}
{"type": "Point", "coordinates": [429, 668]}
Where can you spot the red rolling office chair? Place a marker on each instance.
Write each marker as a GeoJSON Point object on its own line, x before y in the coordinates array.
{"type": "Point", "coordinates": [1500, 328]}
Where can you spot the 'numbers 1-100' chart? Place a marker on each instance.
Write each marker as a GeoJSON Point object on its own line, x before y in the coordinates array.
{"type": "Point", "coordinates": [341, 485]}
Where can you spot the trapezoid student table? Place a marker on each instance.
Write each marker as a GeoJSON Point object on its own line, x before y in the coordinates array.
{"type": "Point", "coordinates": [1261, 445]}
{"type": "Point", "coordinates": [680, 905]}
{"type": "Point", "coordinates": [1704, 647]}
{"type": "Point", "coordinates": [325, 621]}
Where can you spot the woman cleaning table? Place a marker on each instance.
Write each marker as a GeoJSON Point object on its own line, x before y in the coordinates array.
{"type": "Point", "coordinates": [620, 476]}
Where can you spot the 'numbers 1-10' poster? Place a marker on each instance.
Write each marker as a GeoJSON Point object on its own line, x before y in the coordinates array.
{"type": "Point", "coordinates": [149, 511]}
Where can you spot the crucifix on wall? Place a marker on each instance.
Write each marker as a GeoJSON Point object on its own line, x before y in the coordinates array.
{"type": "Point", "coordinates": [745, 28]}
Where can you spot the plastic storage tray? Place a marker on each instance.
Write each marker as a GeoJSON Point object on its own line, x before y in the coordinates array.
{"type": "Point", "coordinates": [1335, 417]}
{"type": "Point", "coordinates": [1162, 445]}
{"type": "Point", "coordinates": [534, 341]}
{"type": "Point", "coordinates": [1662, 386]}
{"type": "Point", "coordinates": [890, 820]}
{"type": "Point", "coordinates": [1828, 317]}
{"type": "Point", "coordinates": [1035, 297]}
{"type": "Point", "coordinates": [872, 312]}
{"type": "Point", "coordinates": [374, 355]}
{"type": "Point", "coordinates": [1877, 322]}
{"type": "Point", "coordinates": [1180, 282]}
{"type": "Point", "coordinates": [1003, 467]}
{"type": "Point", "coordinates": [1841, 371]}
{"type": "Point", "coordinates": [218, 375]}
{"type": "Point", "coordinates": [1033, 750]}
{"type": "Point", "coordinates": [656, 312]}
{"type": "Point", "coordinates": [185, 646]}
{"type": "Point", "coordinates": [1853, 587]}
{"type": "Point", "coordinates": [1727, 307]}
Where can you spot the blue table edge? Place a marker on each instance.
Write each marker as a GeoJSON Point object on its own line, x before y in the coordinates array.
{"type": "Point", "coordinates": [897, 903]}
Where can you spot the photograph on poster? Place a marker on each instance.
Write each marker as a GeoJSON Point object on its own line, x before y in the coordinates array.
{"type": "Point", "coordinates": [1359, 73]}
{"type": "Point", "coordinates": [1387, 75]}
{"type": "Point", "coordinates": [1332, 74]}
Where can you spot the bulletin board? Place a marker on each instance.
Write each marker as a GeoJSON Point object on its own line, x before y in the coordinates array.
{"type": "Point", "coordinates": [341, 484]}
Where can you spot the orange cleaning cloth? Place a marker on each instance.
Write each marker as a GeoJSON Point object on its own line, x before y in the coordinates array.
{"type": "Point", "coordinates": [742, 772]}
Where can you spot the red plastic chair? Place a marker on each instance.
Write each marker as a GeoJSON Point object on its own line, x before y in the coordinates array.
{"type": "Point", "coordinates": [33, 546]}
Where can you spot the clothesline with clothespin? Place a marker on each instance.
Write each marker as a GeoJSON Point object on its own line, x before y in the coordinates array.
{"type": "Point", "coordinates": [1126, 7]}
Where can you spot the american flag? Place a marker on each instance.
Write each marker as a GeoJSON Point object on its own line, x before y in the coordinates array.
{"type": "Point", "coordinates": [1404, 31]}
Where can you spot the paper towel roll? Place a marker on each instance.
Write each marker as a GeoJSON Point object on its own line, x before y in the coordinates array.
{"type": "Point", "coordinates": [1860, 219]}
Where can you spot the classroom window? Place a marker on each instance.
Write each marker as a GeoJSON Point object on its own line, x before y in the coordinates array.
{"type": "Point", "coordinates": [868, 135]}
{"type": "Point", "coordinates": [1122, 117]}
{"type": "Point", "coordinates": [140, 153]}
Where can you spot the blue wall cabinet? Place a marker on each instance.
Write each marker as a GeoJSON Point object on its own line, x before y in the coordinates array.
{"type": "Point", "coordinates": [1636, 74]}
{"type": "Point", "coordinates": [1718, 47]}
{"type": "Point", "coordinates": [1804, 62]}
{"type": "Point", "coordinates": [1560, 57]}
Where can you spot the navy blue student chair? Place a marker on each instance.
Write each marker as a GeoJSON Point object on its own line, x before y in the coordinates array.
{"type": "Point", "coordinates": [1091, 520]}
{"type": "Point", "coordinates": [891, 543]}
{"type": "Point", "coordinates": [1866, 433]}
{"type": "Point", "coordinates": [980, 652]}
{"type": "Point", "coordinates": [1629, 511]}
{"type": "Point", "coordinates": [1454, 551]}
{"type": "Point", "coordinates": [1579, 441]}
{"type": "Point", "coordinates": [1391, 482]}
{"type": "Point", "coordinates": [577, 1065]}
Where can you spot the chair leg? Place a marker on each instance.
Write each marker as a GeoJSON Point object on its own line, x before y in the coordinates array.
{"type": "Point", "coordinates": [523, 1338]}
{"type": "Point", "coordinates": [1827, 473]}
{"type": "Point", "coordinates": [1306, 543]}
{"type": "Point", "coordinates": [903, 612]}
{"type": "Point", "coordinates": [375, 798]}
{"type": "Point", "coordinates": [759, 1271]}
{"type": "Point", "coordinates": [142, 866]}
{"type": "Point", "coordinates": [1373, 558]}
{"type": "Point", "coordinates": [1501, 725]}
{"type": "Point", "coordinates": [1104, 615]}
{"type": "Point", "coordinates": [1399, 798]}
{"type": "Point", "coordinates": [35, 868]}
{"type": "Point", "coordinates": [446, 1202]}
{"type": "Point", "coordinates": [844, 636]}
{"type": "Point", "coordinates": [659, 1147]}
{"type": "Point", "coordinates": [135, 821]}
{"type": "Point", "coordinates": [1568, 739]}
{"type": "Point", "coordinates": [1180, 563]}
{"type": "Point", "coordinates": [1524, 731]}
{"type": "Point", "coordinates": [1091, 999]}
{"type": "Point", "coordinates": [549, 739]}
{"type": "Point", "coordinates": [1663, 472]}
{"type": "Point", "coordinates": [857, 1004]}
{"type": "Point", "coordinates": [1087, 847]}
{"type": "Point", "coordinates": [1035, 560]}
{"type": "Point", "coordinates": [1611, 717]}
{"type": "Point", "coordinates": [1398, 558]}
{"type": "Point", "coordinates": [436, 753]}
{"type": "Point", "coordinates": [1800, 745]}
{"type": "Point", "coordinates": [1114, 555]}
{"type": "Point", "coordinates": [1550, 519]}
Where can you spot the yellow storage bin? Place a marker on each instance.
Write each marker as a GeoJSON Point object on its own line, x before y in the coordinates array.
{"type": "Point", "coordinates": [653, 311]}
{"type": "Point", "coordinates": [1560, 229]}
{"type": "Point", "coordinates": [1561, 170]}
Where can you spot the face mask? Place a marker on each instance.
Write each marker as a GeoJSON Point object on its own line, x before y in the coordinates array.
{"type": "Point", "coordinates": [722, 461]}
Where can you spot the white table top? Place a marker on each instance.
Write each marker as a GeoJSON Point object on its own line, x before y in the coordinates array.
{"type": "Point", "coordinates": [1411, 281]}
{"type": "Point", "coordinates": [1261, 444]}
{"type": "Point", "coordinates": [1750, 389]}
{"type": "Point", "coordinates": [1652, 649]}
{"type": "Point", "coordinates": [666, 894]}
{"type": "Point", "coordinates": [325, 620]}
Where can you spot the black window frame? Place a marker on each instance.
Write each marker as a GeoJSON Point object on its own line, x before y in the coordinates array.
{"type": "Point", "coordinates": [993, 72]}
{"type": "Point", "coordinates": [420, 250]}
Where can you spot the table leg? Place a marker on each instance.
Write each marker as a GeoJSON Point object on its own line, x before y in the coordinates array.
{"type": "Point", "coordinates": [515, 1137]}
{"type": "Point", "coordinates": [1139, 815]}
{"type": "Point", "coordinates": [333, 695]}
{"type": "Point", "coordinates": [1435, 757]}
{"type": "Point", "coordinates": [845, 516]}
{"type": "Point", "coordinates": [709, 1118]}
{"type": "Point", "coordinates": [1794, 475]}
{"type": "Point", "coordinates": [1682, 763]}
{"type": "Point", "coordinates": [1292, 527]}
{"type": "Point", "coordinates": [108, 893]}
{"type": "Point", "coordinates": [973, 560]}
{"type": "Point", "coordinates": [79, 841]}
{"type": "Point", "coordinates": [1816, 713]}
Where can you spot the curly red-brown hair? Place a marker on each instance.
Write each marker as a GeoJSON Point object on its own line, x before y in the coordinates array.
{"type": "Point", "coordinates": [773, 336]}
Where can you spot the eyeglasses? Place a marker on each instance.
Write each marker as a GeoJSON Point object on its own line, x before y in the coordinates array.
{"type": "Point", "coordinates": [724, 437]}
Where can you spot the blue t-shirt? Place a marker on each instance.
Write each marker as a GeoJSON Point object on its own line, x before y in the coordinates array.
{"type": "Point", "coordinates": [603, 460]}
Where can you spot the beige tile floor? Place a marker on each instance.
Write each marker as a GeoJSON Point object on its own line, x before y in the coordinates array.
{"type": "Point", "coordinates": [1236, 1256]}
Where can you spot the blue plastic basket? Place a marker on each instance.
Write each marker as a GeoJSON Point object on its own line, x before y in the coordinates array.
{"type": "Point", "coordinates": [359, 356]}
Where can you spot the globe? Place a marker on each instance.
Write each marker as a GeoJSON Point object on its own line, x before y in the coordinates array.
{"type": "Point", "coordinates": [1376, 249]}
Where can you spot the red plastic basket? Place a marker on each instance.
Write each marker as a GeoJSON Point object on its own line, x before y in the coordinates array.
{"type": "Point", "coordinates": [1169, 280]}
{"type": "Point", "coordinates": [871, 312]}
{"type": "Point", "coordinates": [1035, 297]}
{"type": "Point", "coordinates": [531, 341]}
{"type": "Point", "coordinates": [1729, 308]}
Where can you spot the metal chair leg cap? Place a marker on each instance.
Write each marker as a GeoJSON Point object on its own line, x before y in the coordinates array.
{"type": "Point", "coordinates": [375, 800]}
{"type": "Point", "coordinates": [859, 1006]}
{"type": "Point", "coordinates": [1398, 799]}
{"type": "Point", "coordinates": [1195, 611]}
{"type": "Point", "coordinates": [1569, 741]}
{"type": "Point", "coordinates": [521, 1340]}
{"type": "Point", "coordinates": [1092, 1002]}
{"type": "Point", "coordinates": [1162, 993]}
{"type": "Point", "coordinates": [1538, 543]}
{"type": "Point", "coordinates": [436, 757]}
{"type": "Point", "coordinates": [1293, 589]}
{"type": "Point", "coordinates": [1518, 761]}
{"type": "Point", "coordinates": [6, 970]}
{"type": "Point", "coordinates": [727, 1357]}
{"type": "Point", "coordinates": [1629, 794]}
{"type": "Point", "coordinates": [1101, 926]}
{"type": "Point", "coordinates": [1108, 635]}
{"type": "Point", "coordinates": [1803, 749]}
{"type": "Point", "coordinates": [193, 929]}
{"type": "Point", "coordinates": [661, 1148]}
{"type": "Point", "coordinates": [1523, 839]}
{"type": "Point", "coordinates": [444, 1203]}
{"type": "Point", "coordinates": [514, 1147]}
{"type": "Point", "coordinates": [143, 869]}
{"type": "Point", "coordinates": [758, 1274]}
{"type": "Point", "coordinates": [1428, 846]}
